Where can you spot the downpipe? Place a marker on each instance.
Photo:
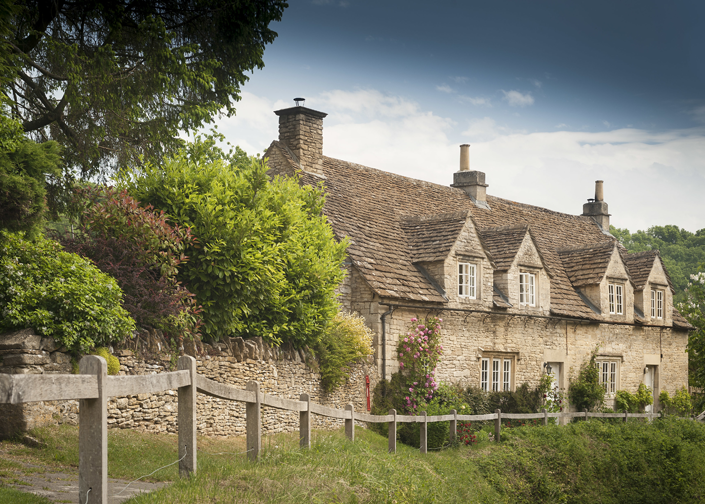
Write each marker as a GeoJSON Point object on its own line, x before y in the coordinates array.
{"type": "Point", "coordinates": [384, 341]}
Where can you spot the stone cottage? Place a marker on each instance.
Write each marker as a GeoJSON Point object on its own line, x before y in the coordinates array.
{"type": "Point", "coordinates": [519, 288]}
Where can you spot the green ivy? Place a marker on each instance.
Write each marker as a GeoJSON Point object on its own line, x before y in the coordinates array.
{"type": "Point", "coordinates": [58, 294]}
{"type": "Point", "coordinates": [585, 391]}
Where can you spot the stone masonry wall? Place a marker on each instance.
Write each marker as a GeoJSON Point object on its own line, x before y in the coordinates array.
{"type": "Point", "coordinates": [283, 372]}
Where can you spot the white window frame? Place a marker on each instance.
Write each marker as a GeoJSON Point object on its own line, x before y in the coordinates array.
{"type": "Point", "coordinates": [527, 289]}
{"type": "Point", "coordinates": [653, 303]}
{"type": "Point", "coordinates": [616, 299]}
{"type": "Point", "coordinates": [467, 275]}
{"type": "Point", "coordinates": [609, 375]}
{"type": "Point", "coordinates": [507, 375]}
{"type": "Point", "coordinates": [496, 374]}
{"type": "Point", "coordinates": [659, 304]}
{"type": "Point", "coordinates": [485, 375]}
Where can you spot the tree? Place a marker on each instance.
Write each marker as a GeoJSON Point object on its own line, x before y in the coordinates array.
{"type": "Point", "coordinates": [266, 262]}
{"type": "Point", "coordinates": [693, 309]}
{"type": "Point", "coordinates": [680, 250]}
{"type": "Point", "coordinates": [585, 391]}
{"type": "Point", "coordinates": [24, 166]}
{"type": "Point", "coordinates": [113, 81]}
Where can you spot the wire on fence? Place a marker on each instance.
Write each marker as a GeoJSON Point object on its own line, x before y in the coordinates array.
{"type": "Point", "coordinates": [87, 492]}
{"type": "Point", "coordinates": [226, 453]}
{"type": "Point", "coordinates": [146, 475]}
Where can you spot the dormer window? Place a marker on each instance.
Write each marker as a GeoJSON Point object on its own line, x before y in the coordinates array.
{"type": "Point", "coordinates": [466, 280]}
{"type": "Point", "coordinates": [527, 289]}
{"type": "Point", "coordinates": [657, 304]}
{"type": "Point", "coordinates": [616, 296]}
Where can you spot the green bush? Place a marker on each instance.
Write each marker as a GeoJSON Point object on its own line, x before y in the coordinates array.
{"type": "Point", "coordinates": [346, 340]}
{"type": "Point", "coordinates": [585, 391]}
{"type": "Point", "coordinates": [113, 362]}
{"type": "Point", "coordinates": [59, 294]}
{"type": "Point", "coordinates": [680, 404]}
{"type": "Point", "coordinates": [634, 403]}
{"type": "Point", "coordinates": [266, 262]}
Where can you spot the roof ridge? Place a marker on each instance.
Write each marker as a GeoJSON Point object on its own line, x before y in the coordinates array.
{"type": "Point", "coordinates": [419, 219]}
{"type": "Point", "coordinates": [598, 245]}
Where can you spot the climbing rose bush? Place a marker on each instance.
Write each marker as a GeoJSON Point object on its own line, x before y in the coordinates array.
{"type": "Point", "coordinates": [419, 352]}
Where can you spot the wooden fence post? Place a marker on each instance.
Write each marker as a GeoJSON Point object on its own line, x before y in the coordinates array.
{"type": "Point", "coordinates": [423, 434]}
{"type": "Point", "coordinates": [393, 432]}
{"type": "Point", "coordinates": [586, 414]}
{"type": "Point", "coordinates": [497, 425]}
{"type": "Point", "coordinates": [545, 416]}
{"type": "Point", "coordinates": [350, 422]}
{"type": "Point", "coordinates": [187, 419]}
{"type": "Point", "coordinates": [253, 414]}
{"type": "Point", "coordinates": [93, 436]}
{"type": "Point", "coordinates": [305, 423]}
{"type": "Point", "coordinates": [453, 427]}
{"type": "Point", "coordinates": [626, 415]}
{"type": "Point", "coordinates": [651, 415]}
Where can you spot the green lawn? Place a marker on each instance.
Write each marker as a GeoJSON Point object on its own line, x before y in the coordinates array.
{"type": "Point", "coordinates": [586, 462]}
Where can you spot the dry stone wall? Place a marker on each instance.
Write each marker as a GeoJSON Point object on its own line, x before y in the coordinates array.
{"type": "Point", "coordinates": [284, 372]}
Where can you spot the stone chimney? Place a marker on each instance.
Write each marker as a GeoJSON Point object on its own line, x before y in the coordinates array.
{"type": "Point", "coordinates": [301, 129]}
{"type": "Point", "coordinates": [472, 182]}
{"type": "Point", "coordinates": [597, 208]}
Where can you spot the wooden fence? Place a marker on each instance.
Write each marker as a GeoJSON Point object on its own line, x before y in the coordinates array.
{"type": "Point", "coordinates": [93, 386]}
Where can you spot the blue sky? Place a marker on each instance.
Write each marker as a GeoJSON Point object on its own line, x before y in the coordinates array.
{"type": "Point", "coordinates": [551, 95]}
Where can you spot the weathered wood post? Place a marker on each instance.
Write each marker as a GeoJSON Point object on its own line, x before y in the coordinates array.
{"type": "Point", "coordinates": [253, 414]}
{"type": "Point", "coordinates": [651, 415]}
{"type": "Point", "coordinates": [350, 422]}
{"type": "Point", "coordinates": [187, 419]}
{"type": "Point", "coordinates": [423, 433]}
{"type": "Point", "coordinates": [626, 415]}
{"type": "Point", "coordinates": [497, 425]}
{"type": "Point", "coordinates": [453, 427]}
{"type": "Point", "coordinates": [305, 422]}
{"type": "Point", "coordinates": [93, 436]}
{"type": "Point", "coordinates": [586, 414]}
{"type": "Point", "coordinates": [393, 432]}
{"type": "Point", "coordinates": [545, 416]}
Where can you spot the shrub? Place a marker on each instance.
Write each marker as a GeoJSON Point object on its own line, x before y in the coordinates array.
{"type": "Point", "coordinates": [267, 263]}
{"type": "Point", "coordinates": [113, 361]}
{"type": "Point", "coordinates": [634, 403]}
{"type": "Point", "coordinates": [346, 340]}
{"type": "Point", "coordinates": [585, 391]}
{"type": "Point", "coordinates": [680, 403]}
{"type": "Point", "coordinates": [142, 251]}
{"type": "Point", "coordinates": [419, 352]}
{"type": "Point", "coordinates": [59, 294]}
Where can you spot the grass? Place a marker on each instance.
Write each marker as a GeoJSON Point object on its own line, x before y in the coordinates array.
{"type": "Point", "coordinates": [586, 462]}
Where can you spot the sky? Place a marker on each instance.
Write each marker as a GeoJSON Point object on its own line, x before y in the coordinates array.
{"type": "Point", "coordinates": [551, 96]}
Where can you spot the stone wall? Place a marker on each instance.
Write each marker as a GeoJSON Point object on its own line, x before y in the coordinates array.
{"type": "Point", "coordinates": [283, 372]}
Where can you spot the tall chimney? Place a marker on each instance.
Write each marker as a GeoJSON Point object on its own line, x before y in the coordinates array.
{"type": "Point", "coordinates": [465, 157]}
{"type": "Point", "coordinates": [301, 129]}
{"type": "Point", "coordinates": [597, 208]}
{"type": "Point", "coordinates": [472, 182]}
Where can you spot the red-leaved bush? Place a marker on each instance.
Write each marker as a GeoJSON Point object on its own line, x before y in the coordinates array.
{"type": "Point", "coordinates": [139, 248]}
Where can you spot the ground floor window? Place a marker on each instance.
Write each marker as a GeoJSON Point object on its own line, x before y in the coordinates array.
{"type": "Point", "coordinates": [496, 373]}
{"type": "Point", "coordinates": [609, 374]}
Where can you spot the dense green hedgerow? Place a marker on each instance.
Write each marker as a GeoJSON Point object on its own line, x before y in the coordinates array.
{"type": "Point", "coordinates": [58, 294]}
{"type": "Point", "coordinates": [346, 340]}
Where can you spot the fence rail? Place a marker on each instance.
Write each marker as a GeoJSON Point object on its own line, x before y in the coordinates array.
{"type": "Point", "coordinates": [93, 387]}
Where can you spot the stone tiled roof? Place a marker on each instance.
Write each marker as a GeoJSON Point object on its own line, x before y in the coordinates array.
{"type": "Point", "coordinates": [431, 237]}
{"type": "Point", "coordinates": [503, 243]}
{"type": "Point", "coordinates": [640, 265]}
{"type": "Point", "coordinates": [587, 265]}
{"type": "Point", "coordinates": [680, 321]}
{"type": "Point", "coordinates": [394, 221]}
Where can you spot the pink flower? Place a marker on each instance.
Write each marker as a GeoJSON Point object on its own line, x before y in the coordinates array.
{"type": "Point", "coordinates": [401, 364]}
{"type": "Point", "coordinates": [406, 340]}
{"type": "Point", "coordinates": [411, 389]}
{"type": "Point", "coordinates": [401, 355]}
{"type": "Point", "coordinates": [413, 319]}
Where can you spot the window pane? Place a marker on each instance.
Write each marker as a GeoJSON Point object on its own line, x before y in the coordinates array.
{"type": "Point", "coordinates": [613, 377]}
{"type": "Point", "coordinates": [507, 375]}
{"type": "Point", "coordinates": [659, 307]}
{"type": "Point", "coordinates": [653, 304]}
{"type": "Point", "coordinates": [495, 375]}
{"type": "Point", "coordinates": [471, 280]}
{"type": "Point", "coordinates": [611, 297]}
{"type": "Point", "coordinates": [619, 299]}
{"type": "Point", "coordinates": [484, 374]}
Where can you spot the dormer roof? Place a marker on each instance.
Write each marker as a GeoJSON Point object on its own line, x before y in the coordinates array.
{"type": "Point", "coordinates": [503, 244]}
{"type": "Point", "coordinates": [587, 265]}
{"type": "Point", "coordinates": [640, 265]}
{"type": "Point", "coordinates": [431, 237]}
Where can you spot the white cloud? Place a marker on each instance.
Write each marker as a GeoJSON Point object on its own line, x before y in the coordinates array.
{"type": "Point", "coordinates": [607, 124]}
{"type": "Point", "coordinates": [699, 114]}
{"type": "Point", "coordinates": [651, 178]}
{"type": "Point", "coordinates": [536, 82]}
{"type": "Point", "coordinates": [517, 99]}
{"type": "Point", "coordinates": [445, 88]}
{"type": "Point", "coordinates": [561, 125]}
{"type": "Point", "coordinates": [459, 79]}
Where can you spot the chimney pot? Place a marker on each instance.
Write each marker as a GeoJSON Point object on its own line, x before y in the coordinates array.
{"type": "Point", "coordinates": [465, 157]}
{"type": "Point", "coordinates": [599, 192]}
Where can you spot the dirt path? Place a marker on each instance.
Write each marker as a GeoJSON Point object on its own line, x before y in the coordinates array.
{"type": "Point", "coordinates": [62, 486]}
